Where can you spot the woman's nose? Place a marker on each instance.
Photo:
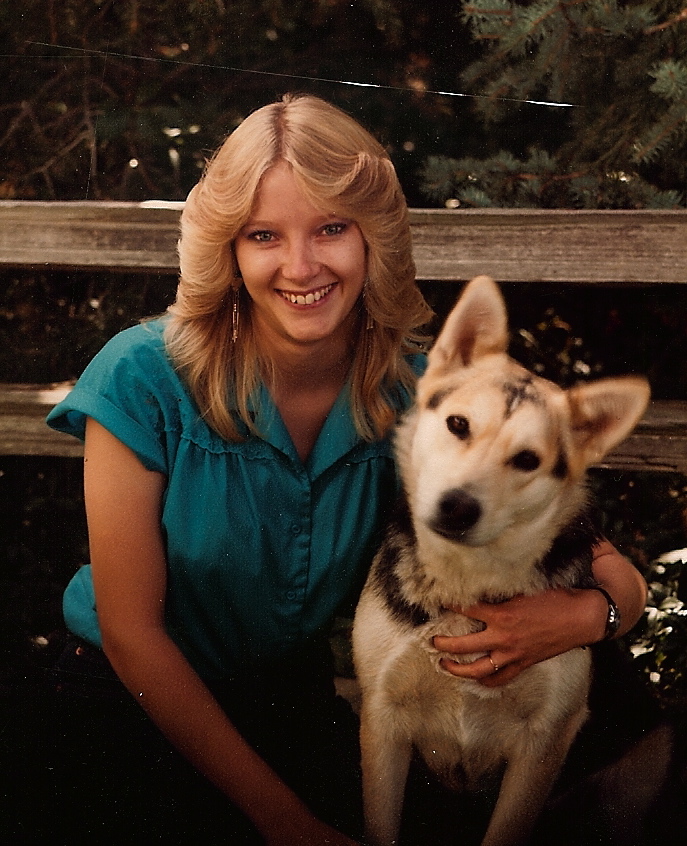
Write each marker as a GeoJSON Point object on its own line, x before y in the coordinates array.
{"type": "Point", "coordinates": [300, 261]}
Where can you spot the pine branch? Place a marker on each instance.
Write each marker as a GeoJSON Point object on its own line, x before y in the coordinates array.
{"type": "Point", "coordinates": [670, 84]}
{"type": "Point", "coordinates": [676, 19]}
{"type": "Point", "coordinates": [654, 142]}
{"type": "Point", "coordinates": [670, 80]}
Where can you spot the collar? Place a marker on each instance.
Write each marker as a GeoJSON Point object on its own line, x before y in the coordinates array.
{"type": "Point", "coordinates": [336, 439]}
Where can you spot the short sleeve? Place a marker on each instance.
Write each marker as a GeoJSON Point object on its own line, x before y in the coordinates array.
{"type": "Point", "coordinates": [129, 388]}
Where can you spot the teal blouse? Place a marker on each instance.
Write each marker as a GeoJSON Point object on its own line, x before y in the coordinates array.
{"type": "Point", "coordinates": [262, 549]}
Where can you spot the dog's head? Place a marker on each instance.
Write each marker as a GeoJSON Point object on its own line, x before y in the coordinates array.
{"type": "Point", "coordinates": [490, 446]}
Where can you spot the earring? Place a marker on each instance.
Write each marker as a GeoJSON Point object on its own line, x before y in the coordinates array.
{"type": "Point", "coordinates": [234, 314]}
{"type": "Point", "coordinates": [369, 322]}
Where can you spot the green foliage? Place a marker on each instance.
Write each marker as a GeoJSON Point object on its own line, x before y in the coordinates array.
{"type": "Point", "coordinates": [659, 644]}
{"type": "Point", "coordinates": [646, 517]}
{"type": "Point", "coordinates": [125, 99]}
{"type": "Point", "coordinates": [621, 140]}
{"type": "Point", "coordinates": [670, 129]}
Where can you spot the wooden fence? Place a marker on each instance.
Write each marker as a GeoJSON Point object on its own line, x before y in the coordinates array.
{"type": "Point", "coordinates": [620, 248]}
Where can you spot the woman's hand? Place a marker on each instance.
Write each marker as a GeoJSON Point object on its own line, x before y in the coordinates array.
{"type": "Point", "coordinates": [528, 629]}
{"type": "Point", "coordinates": [523, 631]}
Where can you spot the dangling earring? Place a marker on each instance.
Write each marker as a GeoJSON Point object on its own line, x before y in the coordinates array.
{"type": "Point", "coordinates": [235, 296]}
{"type": "Point", "coordinates": [234, 314]}
{"type": "Point", "coordinates": [369, 322]}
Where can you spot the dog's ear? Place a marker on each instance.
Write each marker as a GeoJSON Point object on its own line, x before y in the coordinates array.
{"type": "Point", "coordinates": [603, 413]}
{"type": "Point", "coordinates": [477, 326]}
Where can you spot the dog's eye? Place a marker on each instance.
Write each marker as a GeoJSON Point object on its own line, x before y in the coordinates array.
{"type": "Point", "coordinates": [458, 426]}
{"type": "Point", "coordinates": [525, 460]}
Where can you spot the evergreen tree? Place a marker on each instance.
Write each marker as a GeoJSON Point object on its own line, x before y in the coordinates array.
{"type": "Point", "coordinates": [617, 139]}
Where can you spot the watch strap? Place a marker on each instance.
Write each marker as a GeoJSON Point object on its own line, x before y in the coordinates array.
{"type": "Point", "coordinates": [613, 615]}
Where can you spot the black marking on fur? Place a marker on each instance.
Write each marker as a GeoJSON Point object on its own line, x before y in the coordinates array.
{"type": "Point", "coordinates": [560, 470]}
{"type": "Point", "coordinates": [518, 392]}
{"type": "Point", "coordinates": [437, 398]}
{"type": "Point", "coordinates": [569, 561]}
{"type": "Point", "coordinates": [399, 541]}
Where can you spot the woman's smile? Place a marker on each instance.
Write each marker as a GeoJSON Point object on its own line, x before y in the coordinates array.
{"type": "Point", "coordinates": [310, 298]}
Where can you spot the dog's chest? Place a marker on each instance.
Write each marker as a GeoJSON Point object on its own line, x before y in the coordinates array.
{"type": "Point", "coordinates": [453, 723]}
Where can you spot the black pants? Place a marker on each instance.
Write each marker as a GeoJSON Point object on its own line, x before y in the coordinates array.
{"type": "Point", "coordinates": [87, 765]}
{"type": "Point", "coordinates": [81, 762]}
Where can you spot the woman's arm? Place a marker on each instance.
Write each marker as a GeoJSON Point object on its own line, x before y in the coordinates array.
{"type": "Point", "coordinates": [529, 629]}
{"type": "Point", "coordinates": [123, 505]}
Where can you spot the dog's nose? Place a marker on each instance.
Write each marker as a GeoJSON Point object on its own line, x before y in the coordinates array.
{"type": "Point", "coordinates": [457, 512]}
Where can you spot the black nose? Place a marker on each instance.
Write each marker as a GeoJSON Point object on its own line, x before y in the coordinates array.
{"type": "Point", "coordinates": [457, 512]}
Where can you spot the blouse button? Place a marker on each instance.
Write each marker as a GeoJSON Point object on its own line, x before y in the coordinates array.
{"type": "Point", "coordinates": [295, 529]}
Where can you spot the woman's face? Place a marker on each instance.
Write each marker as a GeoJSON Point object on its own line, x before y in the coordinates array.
{"type": "Point", "coordinates": [303, 268]}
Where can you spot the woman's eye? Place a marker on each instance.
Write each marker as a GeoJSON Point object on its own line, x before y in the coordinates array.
{"type": "Point", "coordinates": [333, 228]}
{"type": "Point", "coordinates": [262, 236]}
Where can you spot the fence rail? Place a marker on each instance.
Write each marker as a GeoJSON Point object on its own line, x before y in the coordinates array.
{"type": "Point", "coordinates": [512, 245]}
{"type": "Point", "coordinates": [622, 248]}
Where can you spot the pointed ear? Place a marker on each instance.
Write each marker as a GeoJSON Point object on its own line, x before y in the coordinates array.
{"type": "Point", "coordinates": [477, 326]}
{"type": "Point", "coordinates": [604, 413]}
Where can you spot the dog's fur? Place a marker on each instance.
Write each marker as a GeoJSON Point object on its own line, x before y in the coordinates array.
{"type": "Point", "coordinates": [492, 460]}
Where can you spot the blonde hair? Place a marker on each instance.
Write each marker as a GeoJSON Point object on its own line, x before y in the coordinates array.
{"type": "Point", "coordinates": [340, 166]}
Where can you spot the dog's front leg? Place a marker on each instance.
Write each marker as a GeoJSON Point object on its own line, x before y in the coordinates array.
{"type": "Point", "coordinates": [385, 759]}
{"type": "Point", "coordinates": [526, 784]}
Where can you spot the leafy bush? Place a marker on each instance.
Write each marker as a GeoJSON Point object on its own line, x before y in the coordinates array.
{"type": "Point", "coordinates": [659, 641]}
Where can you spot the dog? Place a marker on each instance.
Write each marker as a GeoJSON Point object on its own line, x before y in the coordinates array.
{"type": "Point", "coordinates": [492, 460]}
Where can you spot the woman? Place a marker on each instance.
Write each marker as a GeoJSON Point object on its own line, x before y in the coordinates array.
{"type": "Point", "coordinates": [238, 470]}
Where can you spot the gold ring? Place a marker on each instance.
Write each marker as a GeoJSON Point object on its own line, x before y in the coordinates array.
{"type": "Point", "coordinates": [493, 664]}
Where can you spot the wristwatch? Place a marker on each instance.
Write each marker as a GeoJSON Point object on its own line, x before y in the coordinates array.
{"type": "Point", "coordinates": [613, 616]}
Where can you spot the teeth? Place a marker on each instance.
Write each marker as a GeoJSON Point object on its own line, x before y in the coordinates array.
{"type": "Point", "coordinates": [307, 299]}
